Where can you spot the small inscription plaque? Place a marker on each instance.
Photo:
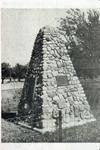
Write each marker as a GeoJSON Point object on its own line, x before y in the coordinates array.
{"type": "Point", "coordinates": [62, 80]}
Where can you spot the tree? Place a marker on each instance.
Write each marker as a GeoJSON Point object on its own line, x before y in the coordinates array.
{"type": "Point", "coordinates": [13, 75]}
{"type": "Point", "coordinates": [5, 71]}
{"type": "Point", "coordinates": [19, 71]}
{"type": "Point", "coordinates": [82, 33]}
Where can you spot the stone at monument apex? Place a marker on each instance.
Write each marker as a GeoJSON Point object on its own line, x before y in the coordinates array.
{"type": "Point", "coordinates": [52, 85]}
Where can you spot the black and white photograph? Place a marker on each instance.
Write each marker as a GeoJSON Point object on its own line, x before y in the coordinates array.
{"type": "Point", "coordinates": [50, 75]}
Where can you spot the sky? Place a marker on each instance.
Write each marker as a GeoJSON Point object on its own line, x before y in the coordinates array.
{"type": "Point", "coordinates": [19, 28]}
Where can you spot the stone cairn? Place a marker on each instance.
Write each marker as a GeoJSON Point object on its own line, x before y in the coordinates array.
{"type": "Point", "coordinates": [51, 85]}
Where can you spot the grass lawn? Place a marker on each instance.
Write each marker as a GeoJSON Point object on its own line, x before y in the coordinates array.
{"type": "Point", "coordinates": [11, 93]}
{"type": "Point", "coordinates": [14, 133]}
{"type": "Point", "coordinates": [89, 132]}
{"type": "Point", "coordinates": [10, 99]}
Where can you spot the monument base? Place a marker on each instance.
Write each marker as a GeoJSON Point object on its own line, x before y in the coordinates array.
{"type": "Point", "coordinates": [53, 128]}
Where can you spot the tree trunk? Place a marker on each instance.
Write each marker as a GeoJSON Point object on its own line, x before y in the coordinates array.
{"type": "Point", "coordinates": [18, 79]}
{"type": "Point", "coordinates": [2, 81]}
{"type": "Point", "coordinates": [10, 79]}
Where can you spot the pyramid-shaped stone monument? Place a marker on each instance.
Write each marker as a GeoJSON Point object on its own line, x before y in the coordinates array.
{"type": "Point", "coordinates": [52, 85]}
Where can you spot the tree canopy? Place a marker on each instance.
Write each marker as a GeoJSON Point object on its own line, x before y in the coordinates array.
{"type": "Point", "coordinates": [82, 32]}
{"type": "Point", "coordinates": [16, 72]}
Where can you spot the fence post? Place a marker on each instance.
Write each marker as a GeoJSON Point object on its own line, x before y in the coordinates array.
{"type": "Point", "coordinates": [60, 126]}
